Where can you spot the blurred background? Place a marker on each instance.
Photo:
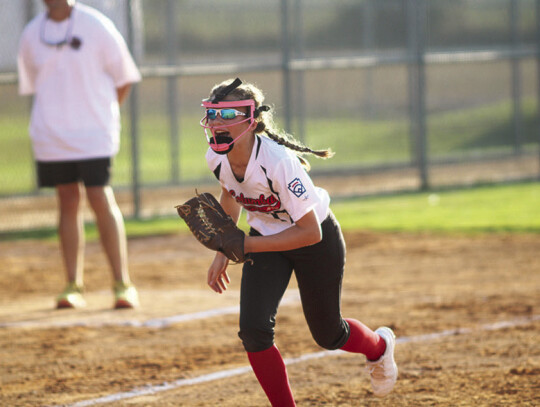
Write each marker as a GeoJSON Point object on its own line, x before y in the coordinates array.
{"type": "Point", "coordinates": [410, 94]}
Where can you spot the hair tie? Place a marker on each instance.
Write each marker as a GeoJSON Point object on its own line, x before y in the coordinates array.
{"type": "Point", "coordinates": [260, 109]}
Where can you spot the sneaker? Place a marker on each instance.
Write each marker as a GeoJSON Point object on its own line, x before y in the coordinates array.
{"type": "Point", "coordinates": [71, 297]}
{"type": "Point", "coordinates": [126, 295]}
{"type": "Point", "coordinates": [384, 371]}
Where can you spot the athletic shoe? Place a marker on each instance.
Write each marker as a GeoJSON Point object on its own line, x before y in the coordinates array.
{"type": "Point", "coordinates": [384, 371]}
{"type": "Point", "coordinates": [126, 295]}
{"type": "Point", "coordinates": [71, 297]}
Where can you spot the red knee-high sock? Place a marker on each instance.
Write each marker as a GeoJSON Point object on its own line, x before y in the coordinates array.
{"type": "Point", "coordinates": [271, 372]}
{"type": "Point", "coordinates": [364, 340]}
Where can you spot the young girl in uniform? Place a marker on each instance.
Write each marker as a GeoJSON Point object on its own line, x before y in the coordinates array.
{"type": "Point", "coordinates": [261, 170]}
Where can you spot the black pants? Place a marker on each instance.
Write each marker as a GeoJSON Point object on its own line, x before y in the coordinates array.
{"type": "Point", "coordinates": [319, 273]}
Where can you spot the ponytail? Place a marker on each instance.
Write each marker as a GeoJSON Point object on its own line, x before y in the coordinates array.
{"type": "Point", "coordinates": [299, 148]}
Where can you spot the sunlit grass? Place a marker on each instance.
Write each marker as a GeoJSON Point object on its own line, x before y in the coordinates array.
{"type": "Point", "coordinates": [511, 208]}
{"type": "Point", "coordinates": [503, 208]}
{"type": "Point", "coordinates": [355, 141]}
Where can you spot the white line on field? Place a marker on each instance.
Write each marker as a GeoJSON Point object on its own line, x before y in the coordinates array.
{"type": "Point", "coordinates": [152, 389]}
{"type": "Point", "coordinates": [156, 323]}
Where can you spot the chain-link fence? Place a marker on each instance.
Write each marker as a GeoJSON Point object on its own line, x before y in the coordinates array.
{"type": "Point", "coordinates": [410, 94]}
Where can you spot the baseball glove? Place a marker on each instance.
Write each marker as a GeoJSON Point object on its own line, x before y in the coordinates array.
{"type": "Point", "coordinates": [211, 226]}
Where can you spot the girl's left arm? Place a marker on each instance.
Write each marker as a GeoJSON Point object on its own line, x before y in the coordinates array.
{"type": "Point", "coordinates": [305, 232]}
{"type": "Point", "coordinates": [217, 276]}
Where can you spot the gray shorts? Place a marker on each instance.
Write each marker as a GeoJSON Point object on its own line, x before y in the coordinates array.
{"type": "Point", "coordinates": [93, 172]}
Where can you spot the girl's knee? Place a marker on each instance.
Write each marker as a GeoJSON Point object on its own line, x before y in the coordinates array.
{"type": "Point", "coordinates": [331, 339]}
{"type": "Point", "coordinates": [256, 340]}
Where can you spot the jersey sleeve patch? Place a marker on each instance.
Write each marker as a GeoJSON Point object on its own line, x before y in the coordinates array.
{"type": "Point", "coordinates": [296, 187]}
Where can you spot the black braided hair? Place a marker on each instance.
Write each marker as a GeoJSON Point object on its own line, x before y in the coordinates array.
{"type": "Point", "coordinates": [265, 120]}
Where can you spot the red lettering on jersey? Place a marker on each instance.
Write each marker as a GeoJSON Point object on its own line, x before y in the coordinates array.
{"type": "Point", "coordinates": [260, 204]}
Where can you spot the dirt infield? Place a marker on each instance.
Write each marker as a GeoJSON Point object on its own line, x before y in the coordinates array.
{"type": "Point", "coordinates": [447, 298]}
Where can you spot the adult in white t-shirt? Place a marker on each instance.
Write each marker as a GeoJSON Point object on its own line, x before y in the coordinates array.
{"type": "Point", "coordinates": [76, 64]}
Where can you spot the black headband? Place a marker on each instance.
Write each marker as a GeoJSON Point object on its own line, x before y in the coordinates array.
{"type": "Point", "coordinates": [219, 96]}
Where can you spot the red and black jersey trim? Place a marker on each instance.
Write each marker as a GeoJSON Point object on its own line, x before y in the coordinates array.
{"type": "Point", "coordinates": [259, 143]}
{"type": "Point", "coordinates": [217, 171]}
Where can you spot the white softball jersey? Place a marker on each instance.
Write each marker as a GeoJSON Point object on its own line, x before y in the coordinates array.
{"type": "Point", "coordinates": [75, 112]}
{"type": "Point", "coordinates": [276, 190]}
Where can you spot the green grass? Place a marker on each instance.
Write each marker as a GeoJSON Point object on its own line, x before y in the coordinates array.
{"type": "Point", "coordinates": [510, 208]}
{"type": "Point", "coordinates": [355, 141]}
{"type": "Point", "coordinates": [502, 208]}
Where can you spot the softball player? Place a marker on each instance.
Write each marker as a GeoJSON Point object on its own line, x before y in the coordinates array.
{"type": "Point", "coordinates": [292, 229]}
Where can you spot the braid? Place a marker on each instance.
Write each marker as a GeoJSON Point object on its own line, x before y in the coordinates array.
{"type": "Point", "coordinates": [295, 145]}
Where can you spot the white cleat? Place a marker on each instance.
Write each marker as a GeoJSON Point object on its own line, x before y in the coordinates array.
{"type": "Point", "coordinates": [384, 371]}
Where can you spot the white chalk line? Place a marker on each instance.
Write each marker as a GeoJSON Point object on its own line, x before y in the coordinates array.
{"type": "Point", "coordinates": [156, 323]}
{"type": "Point", "coordinates": [223, 374]}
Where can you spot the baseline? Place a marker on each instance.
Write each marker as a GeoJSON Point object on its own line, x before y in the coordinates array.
{"type": "Point", "coordinates": [290, 361]}
{"type": "Point", "coordinates": [157, 323]}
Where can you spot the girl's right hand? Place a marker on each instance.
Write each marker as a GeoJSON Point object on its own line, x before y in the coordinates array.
{"type": "Point", "coordinates": [217, 273]}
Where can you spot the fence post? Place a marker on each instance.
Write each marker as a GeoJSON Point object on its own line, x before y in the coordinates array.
{"type": "Point", "coordinates": [285, 64]}
{"type": "Point", "coordinates": [300, 105]}
{"type": "Point", "coordinates": [538, 77]}
{"type": "Point", "coordinates": [30, 12]}
{"type": "Point", "coordinates": [516, 77]}
{"type": "Point", "coordinates": [172, 92]}
{"type": "Point", "coordinates": [369, 16]}
{"type": "Point", "coordinates": [416, 11]}
{"type": "Point", "coordinates": [134, 120]}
